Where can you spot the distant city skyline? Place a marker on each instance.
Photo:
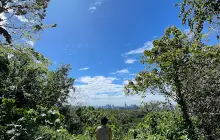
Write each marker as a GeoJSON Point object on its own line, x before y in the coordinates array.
{"type": "Point", "coordinates": [128, 107]}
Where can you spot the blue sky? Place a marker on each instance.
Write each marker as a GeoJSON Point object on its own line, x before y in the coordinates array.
{"type": "Point", "coordinates": [103, 40]}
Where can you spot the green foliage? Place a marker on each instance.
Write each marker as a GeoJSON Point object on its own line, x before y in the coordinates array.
{"type": "Point", "coordinates": [156, 106]}
{"type": "Point", "coordinates": [171, 55]}
{"type": "Point", "coordinates": [29, 81]}
{"type": "Point", "coordinates": [42, 124]}
{"type": "Point", "coordinates": [125, 124]}
{"type": "Point", "coordinates": [162, 125]}
{"type": "Point", "coordinates": [31, 94]}
{"type": "Point", "coordinates": [187, 72]}
{"type": "Point", "coordinates": [202, 89]}
{"type": "Point", "coordinates": [46, 133]}
{"type": "Point", "coordinates": [20, 123]}
{"type": "Point", "coordinates": [28, 15]}
{"type": "Point", "coordinates": [168, 54]}
{"type": "Point", "coordinates": [199, 12]}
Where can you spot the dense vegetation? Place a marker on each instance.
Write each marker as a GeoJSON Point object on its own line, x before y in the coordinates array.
{"type": "Point", "coordinates": [34, 99]}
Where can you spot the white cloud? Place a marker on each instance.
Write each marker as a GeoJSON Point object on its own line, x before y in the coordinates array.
{"type": "Point", "coordinates": [100, 90]}
{"type": "Point", "coordinates": [86, 68]}
{"type": "Point", "coordinates": [123, 71]}
{"type": "Point", "coordinates": [147, 46]}
{"type": "Point", "coordinates": [125, 82]}
{"type": "Point", "coordinates": [30, 42]}
{"type": "Point", "coordinates": [94, 5]}
{"type": "Point", "coordinates": [99, 85]}
{"type": "Point", "coordinates": [130, 61]}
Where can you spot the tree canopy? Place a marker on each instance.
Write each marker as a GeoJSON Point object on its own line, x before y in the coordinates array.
{"type": "Point", "coordinates": [22, 19]}
{"type": "Point", "coordinates": [26, 78]}
{"type": "Point", "coordinates": [186, 70]}
{"type": "Point", "coordinates": [199, 13]}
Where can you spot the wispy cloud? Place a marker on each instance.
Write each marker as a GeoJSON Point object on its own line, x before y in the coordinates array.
{"type": "Point", "coordinates": [86, 68]}
{"type": "Point", "coordinates": [130, 61]}
{"type": "Point", "coordinates": [123, 71]}
{"type": "Point", "coordinates": [94, 5]}
{"type": "Point", "coordinates": [79, 45]}
{"type": "Point", "coordinates": [147, 46]}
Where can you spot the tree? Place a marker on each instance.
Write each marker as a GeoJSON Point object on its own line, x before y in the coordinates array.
{"type": "Point", "coordinates": [161, 125]}
{"type": "Point", "coordinates": [189, 74]}
{"type": "Point", "coordinates": [199, 12]}
{"type": "Point", "coordinates": [31, 95]}
{"type": "Point", "coordinates": [168, 58]}
{"type": "Point", "coordinates": [22, 19]}
{"type": "Point", "coordinates": [202, 89]}
{"type": "Point", "coordinates": [156, 106]}
{"type": "Point", "coordinates": [26, 78]}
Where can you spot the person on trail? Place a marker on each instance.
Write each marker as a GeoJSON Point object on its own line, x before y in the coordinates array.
{"type": "Point", "coordinates": [103, 132]}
